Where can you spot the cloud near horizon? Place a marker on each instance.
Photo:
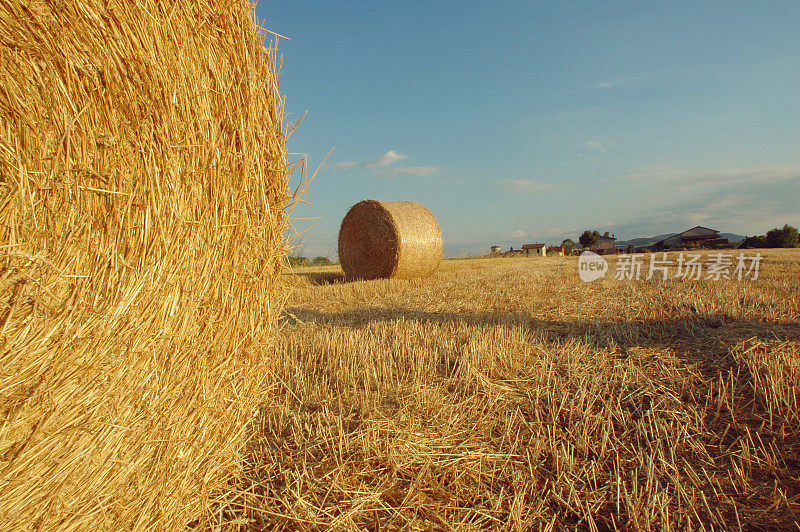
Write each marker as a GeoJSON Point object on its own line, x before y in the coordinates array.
{"type": "Point", "coordinates": [664, 200]}
{"type": "Point", "coordinates": [741, 200]}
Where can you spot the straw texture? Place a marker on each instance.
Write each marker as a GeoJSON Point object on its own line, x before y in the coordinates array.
{"type": "Point", "coordinates": [382, 239]}
{"type": "Point", "coordinates": [142, 195]}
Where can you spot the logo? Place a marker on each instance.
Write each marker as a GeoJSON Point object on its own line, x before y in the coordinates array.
{"type": "Point", "coordinates": [591, 266]}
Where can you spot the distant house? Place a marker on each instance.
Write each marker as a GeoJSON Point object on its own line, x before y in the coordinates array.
{"type": "Point", "coordinates": [534, 250]}
{"type": "Point", "coordinates": [604, 245]}
{"type": "Point", "coordinates": [513, 252]}
{"type": "Point", "coordinates": [556, 250]}
{"type": "Point", "coordinates": [695, 237]}
{"type": "Point", "coordinates": [496, 250]}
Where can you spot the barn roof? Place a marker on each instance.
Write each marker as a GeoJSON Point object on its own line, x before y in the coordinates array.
{"type": "Point", "coordinates": [697, 230]}
{"type": "Point", "coordinates": [533, 246]}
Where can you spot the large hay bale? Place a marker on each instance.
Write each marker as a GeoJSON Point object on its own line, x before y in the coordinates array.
{"type": "Point", "coordinates": [382, 239]}
{"type": "Point", "coordinates": [142, 194]}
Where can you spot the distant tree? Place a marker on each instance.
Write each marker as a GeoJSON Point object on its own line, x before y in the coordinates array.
{"type": "Point", "coordinates": [782, 238]}
{"type": "Point", "coordinates": [751, 242]}
{"type": "Point", "coordinates": [606, 235]}
{"type": "Point", "coordinates": [320, 261]}
{"type": "Point", "coordinates": [298, 260]}
{"type": "Point", "coordinates": [588, 238]}
{"type": "Point", "coordinates": [568, 246]}
{"type": "Point", "coordinates": [303, 261]}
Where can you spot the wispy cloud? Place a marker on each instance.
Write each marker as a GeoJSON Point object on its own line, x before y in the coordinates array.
{"type": "Point", "coordinates": [631, 80]}
{"type": "Point", "coordinates": [386, 159]}
{"type": "Point", "coordinates": [377, 166]}
{"type": "Point", "coordinates": [421, 171]}
{"type": "Point", "coordinates": [724, 177]}
{"type": "Point", "coordinates": [743, 200]}
{"type": "Point", "coordinates": [598, 146]}
{"type": "Point", "coordinates": [524, 186]}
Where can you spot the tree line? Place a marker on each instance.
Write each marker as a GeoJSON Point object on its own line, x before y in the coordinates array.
{"type": "Point", "coordinates": [299, 260]}
{"type": "Point", "coordinates": [786, 237]}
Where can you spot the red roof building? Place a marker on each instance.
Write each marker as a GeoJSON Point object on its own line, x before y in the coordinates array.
{"type": "Point", "coordinates": [604, 245]}
{"type": "Point", "coordinates": [534, 250]}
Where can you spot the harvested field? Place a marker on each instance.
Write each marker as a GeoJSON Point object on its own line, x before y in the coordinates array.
{"type": "Point", "coordinates": [505, 393]}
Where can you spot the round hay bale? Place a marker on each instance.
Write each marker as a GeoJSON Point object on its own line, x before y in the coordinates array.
{"type": "Point", "coordinates": [143, 186]}
{"type": "Point", "coordinates": [383, 239]}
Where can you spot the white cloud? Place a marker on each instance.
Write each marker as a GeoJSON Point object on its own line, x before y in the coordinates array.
{"type": "Point", "coordinates": [386, 159]}
{"type": "Point", "coordinates": [421, 171]}
{"type": "Point", "coordinates": [524, 186]}
{"type": "Point", "coordinates": [378, 166]}
{"type": "Point", "coordinates": [605, 84]}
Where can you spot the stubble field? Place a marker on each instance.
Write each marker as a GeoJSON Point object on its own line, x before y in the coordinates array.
{"type": "Point", "coordinates": [508, 394]}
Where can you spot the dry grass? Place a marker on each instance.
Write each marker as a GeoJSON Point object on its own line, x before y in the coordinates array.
{"type": "Point", "coordinates": [506, 394]}
{"type": "Point", "coordinates": [142, 194]}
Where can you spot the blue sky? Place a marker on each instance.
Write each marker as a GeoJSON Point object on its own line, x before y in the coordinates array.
{"type": "Point", "coordinates": [524, 122]}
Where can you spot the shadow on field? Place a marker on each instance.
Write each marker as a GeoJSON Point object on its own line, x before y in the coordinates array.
{"type": "Point", "coordinates": [320, 278]}
{"type": "Point", "coordinates": [702, 339]}
{"type": "Point", "coordinates": [600, 330]}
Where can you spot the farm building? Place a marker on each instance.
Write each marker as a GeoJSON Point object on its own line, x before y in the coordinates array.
{"type": "Point", "coordinates": [557, 250]}
{"type": "Point", "coordinates": [496, 250]}
{"type": "Point", "coordinates": [534, 250]}
{"type": "Point", "coordinates": [695, 237]}
{"type": "Point", "coordinates": [604, 245]}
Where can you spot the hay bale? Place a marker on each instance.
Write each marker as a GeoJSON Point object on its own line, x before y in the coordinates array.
{"type": "Point", "coordinates": [142, 194]}
{"type": "Point", "coordinates": [382, 239]}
